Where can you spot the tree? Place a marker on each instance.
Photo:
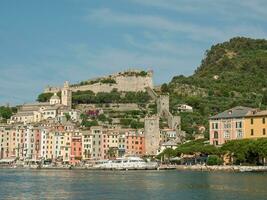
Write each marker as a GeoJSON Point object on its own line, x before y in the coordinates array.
{"type": "Point", "coordinates": [102, 118]}
{"type": "Point", "coordinates": [164, 88]}
{"type": "Point", "coordinates": [67, 115]}
{"type": "Point", "coordinates": [112, 152]}
{"type": "Point", "coordinates": [264, 98]}
{"type": "Point", "coordinates": [89, 124]}
{"type": "Point", "coordinates": [44, 97]}
{"type": "Point", "coordinates": [6, 112]}
{"type": "Point", "coordinates": [214, 160]}
{"type": "Point", "coordinates": [167, 154]}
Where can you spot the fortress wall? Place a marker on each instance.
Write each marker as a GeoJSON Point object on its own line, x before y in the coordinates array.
{"type": "Point", "coordinates": [123, 84]}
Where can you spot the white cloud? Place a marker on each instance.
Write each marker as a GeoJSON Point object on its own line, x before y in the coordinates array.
{"type": "Point", "coordinates": [193, 31]}
{"type": "Point", "coordinates": [159, 23]}
{"type": "Point", "coordinates": [249, 9]}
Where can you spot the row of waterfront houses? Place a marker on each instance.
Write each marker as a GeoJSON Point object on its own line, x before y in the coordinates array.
{"type": "Point", "coordinates": [238, 123]}
{"type": "Point", "coordinates": [68, 144]}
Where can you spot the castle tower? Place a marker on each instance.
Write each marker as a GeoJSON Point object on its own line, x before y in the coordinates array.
{"type": "Point", "coordinates": [152, 135]}
{"type": "Point", "coordinates": [66, 95]}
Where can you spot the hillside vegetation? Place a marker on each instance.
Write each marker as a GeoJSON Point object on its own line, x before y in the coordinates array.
{"type": "Point", "coordinates": [232, 73]}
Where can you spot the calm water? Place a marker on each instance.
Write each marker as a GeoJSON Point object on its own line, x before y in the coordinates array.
{"type": "Point", "coordinates": [70, 184]}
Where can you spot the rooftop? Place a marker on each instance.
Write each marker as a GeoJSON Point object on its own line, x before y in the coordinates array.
{"type": "Point", "coordinates": [236, 112]}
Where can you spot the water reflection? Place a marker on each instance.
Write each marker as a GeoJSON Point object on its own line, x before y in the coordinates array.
{"type": "Point", "coordinates": [72, 184]}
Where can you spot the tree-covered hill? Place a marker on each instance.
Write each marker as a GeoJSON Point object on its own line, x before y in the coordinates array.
{"type": "Point", "coordinates": [232, 73]}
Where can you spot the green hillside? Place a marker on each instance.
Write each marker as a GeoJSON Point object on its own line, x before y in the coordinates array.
{"type": "Point", "coordinates": [232, 73]}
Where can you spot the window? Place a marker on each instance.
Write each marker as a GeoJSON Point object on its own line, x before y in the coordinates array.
{"type": "Point", "coordinates": [263, 120]}
{"type": "Point", "coordinates": [214, 125]}
{"type": "Point", "coordinates": [227, 125]}
{"type": "Point", "coordinates": [263, 131]}
{"type": "Point", "coordinates": [239, 134]}
{"type": "Point", "coordinates": [238, 125]}
{"type": "Point", "coordinates": [251, 121]}
{"type": "Point", "coordinates": [252, 132]}
{"type": "Point", "coordinates": [226, 134]}
{"type": "Point", "coordinates": [216, 135]}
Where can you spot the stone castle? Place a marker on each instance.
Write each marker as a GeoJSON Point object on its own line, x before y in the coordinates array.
{"type": "Point", "coordinates": [127, 81]}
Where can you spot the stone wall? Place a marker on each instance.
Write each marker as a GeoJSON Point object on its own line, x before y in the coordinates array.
{"type": "Point", "coordinates": [124, 83]}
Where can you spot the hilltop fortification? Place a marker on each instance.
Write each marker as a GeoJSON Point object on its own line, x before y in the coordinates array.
{"type": "Point", "coordinates": [127, 81]}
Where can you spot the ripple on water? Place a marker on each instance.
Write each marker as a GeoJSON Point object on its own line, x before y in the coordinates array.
{"type": "Point", "coordinates": [80, 184]}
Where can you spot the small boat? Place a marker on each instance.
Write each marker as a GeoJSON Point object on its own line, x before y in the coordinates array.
{"type": "Point", "coordinates": [126, 163]}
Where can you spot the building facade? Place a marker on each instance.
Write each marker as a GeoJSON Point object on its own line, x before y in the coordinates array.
{"type": "Point", "coordinates": [228, 125]}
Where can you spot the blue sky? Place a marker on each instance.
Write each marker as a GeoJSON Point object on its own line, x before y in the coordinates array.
{"type": "Point", "coordinates": [47, 42]}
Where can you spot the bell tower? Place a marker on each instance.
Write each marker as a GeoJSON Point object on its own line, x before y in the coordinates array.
{"type": "Point", "coordinates": [66, 95]}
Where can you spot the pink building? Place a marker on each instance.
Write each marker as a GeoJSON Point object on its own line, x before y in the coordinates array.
{"type": "Point", "coordinates": [228, 125]}
{"type": "Point", "coordinates": [37, 141]}
{"type": "Point", "coordinates": [104, 145]}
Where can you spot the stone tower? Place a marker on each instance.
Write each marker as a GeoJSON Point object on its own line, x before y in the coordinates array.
{"type": "Point", "coordinates": [66, 95]}
{"type": "Point", "coordinates": [152, 135]}
{"type": "Point", "coordinates": [163, 104]}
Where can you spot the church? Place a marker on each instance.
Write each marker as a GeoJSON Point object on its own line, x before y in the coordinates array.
{"type": "Point", "coordinates": [39, 111]}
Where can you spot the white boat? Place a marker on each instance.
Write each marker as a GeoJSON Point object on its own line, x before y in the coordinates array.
{"type": "Point", "coordinates": [126, 163]}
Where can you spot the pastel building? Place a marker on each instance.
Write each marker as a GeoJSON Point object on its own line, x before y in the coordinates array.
{"type": "Point", "coordinates": [228, 125]}
{"type": "Point", "coordinates": [96, 132]}
{"type": "Point", "coordinates": [87, 139]}
{"type": "Point", "coordinates": [37, 143]}
{"type": "Point", "coordinates": [76, 149]}
{"type": "Point", "coordinates": [8, 142]}
{"type": "Point", "coordinates": [135, 143]}
{"type": "Point", "coordinates": [256, 124]}
{"type": "Point", "coordinates": [58, 142]}
{"type": "Point", "coordinates": [44, 141]}
{"type": "Point", "coordinates": [66, 146]}
{"type": "Point", "coordinates": [121, 144]}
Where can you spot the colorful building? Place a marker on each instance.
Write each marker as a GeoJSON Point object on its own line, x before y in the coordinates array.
{"type": "Point", "coordinates": [76, 149]}
{"type": "Point", "coordinates": [256, 124]}
{"type": "Point", "coordinates": [228, 125]}
{"type": "Point", "coordinates": [87, 139]}
{"type": "Point", "coordinates": [135, 143]}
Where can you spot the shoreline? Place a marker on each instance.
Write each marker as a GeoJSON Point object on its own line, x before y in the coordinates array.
{"type": "Point", "coordinates": [223, 168]}
{"type": "Point", "coordinates": [204, 168]}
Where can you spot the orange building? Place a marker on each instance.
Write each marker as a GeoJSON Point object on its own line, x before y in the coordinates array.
{"type": "Point", "coordinates": [135, 144]}
{"type": "Point", "coordinates": [76, 150]}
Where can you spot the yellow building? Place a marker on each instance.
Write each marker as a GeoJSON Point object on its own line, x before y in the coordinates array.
{"type": "Point", "coordinates": [255, 124]}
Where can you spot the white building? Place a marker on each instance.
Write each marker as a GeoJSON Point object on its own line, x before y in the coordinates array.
{"type": "Point", "coordinates": [185, 108]}
{"type": "Point", "coordinates": [171, 144]}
